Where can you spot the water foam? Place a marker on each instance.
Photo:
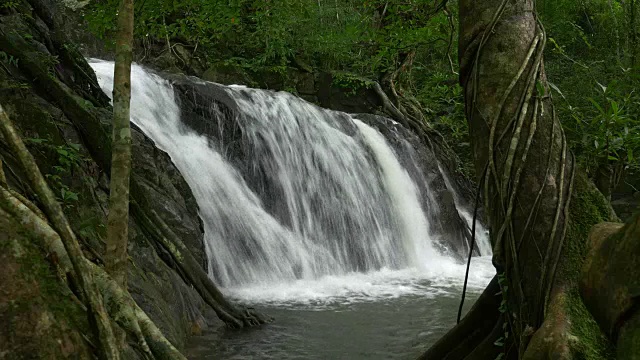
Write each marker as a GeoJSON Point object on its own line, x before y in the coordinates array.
{"type": "Point", "coordinates": [336, 291]}
{"type": "Point", "coordinates": [351, 226]}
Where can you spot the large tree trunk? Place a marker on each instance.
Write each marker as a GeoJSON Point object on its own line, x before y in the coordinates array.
{"type": "Point", "coordinates": [528, 187]}
{"type": "Point", "coordinates": [118, 221]}
{"type": "Point", "coordinates": [519, 143]}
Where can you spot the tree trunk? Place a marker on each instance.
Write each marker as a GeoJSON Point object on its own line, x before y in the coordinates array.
{"type": "Point", "coordinates": [516, 137]}
{"type": "Point", "coordinates": [118, 220]}
{"type": "Point", "coordinates": [604, 179]}
{"type": "Point", "coordinates": [633, 33]}
{"type": "Point", "coordinates": [520, 147]}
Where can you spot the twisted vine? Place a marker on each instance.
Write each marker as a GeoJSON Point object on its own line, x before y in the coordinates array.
{"type": "Point", "coordinates": [506, 182]}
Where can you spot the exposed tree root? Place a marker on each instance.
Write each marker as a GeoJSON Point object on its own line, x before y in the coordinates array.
{"type": "Point", "coordinates": [474, 329]}
{"type": "Point", "coordinates": [552, 341]}
{"type": "Point", "coordinates": [610, 284]}
{"type": "Point", "coordinates": [118, 302]}
{"type": "Point", "coordinates": [194, 274]}
{"type": "Point", "coordinates": [97, 315]}
{"type": "Point", "coordinates": [95, 136]}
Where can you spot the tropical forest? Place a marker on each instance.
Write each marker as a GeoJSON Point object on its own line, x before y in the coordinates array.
{"type": "Point", "coordinates": [320, 179]}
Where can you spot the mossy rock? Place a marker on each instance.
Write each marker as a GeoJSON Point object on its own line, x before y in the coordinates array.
{"type": "Point", "coordinates": [227, 74]}
{"type": "Point", "coordinates": [610, 284]}
{"type": "Point", "coordinates": [40, 318]}
{"type": "Point", "coordinates": [570, 331]}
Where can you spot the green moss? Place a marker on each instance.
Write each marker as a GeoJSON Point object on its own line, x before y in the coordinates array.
{"type": "Point", "coordinates": [588, 207]}
{"type": "Point", "coordinates": [39, 314]}
{"type": "Point", "coordinates": [35, 268]}
{"type": "Point", "coordinates": [590, 342]}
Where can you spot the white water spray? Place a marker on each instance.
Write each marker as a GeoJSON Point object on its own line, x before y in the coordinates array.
{"type": "Point", "coordinates": [339, 202]}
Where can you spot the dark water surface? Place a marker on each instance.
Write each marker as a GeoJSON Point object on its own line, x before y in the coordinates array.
{"type": "Point", "coordinates": [392, 328]}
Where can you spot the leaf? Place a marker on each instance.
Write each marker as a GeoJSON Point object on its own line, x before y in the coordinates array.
{"type": "Point", "coordinates": [604, 88]}
{"type": "Point", "coordinates": [37, 140]}
{"type": "Point", "coordinates": [499, 342]}
{"type": "Point", "coordinates": [540, 88]}
{"type": "Point", "coordinates": [554, 87]}
{"type": "Point", "coordinates": [595, 103]}
{"type": "Point", "coordinates": [596, 143]}
{"type": "Point", "coordinates": [614, 106]}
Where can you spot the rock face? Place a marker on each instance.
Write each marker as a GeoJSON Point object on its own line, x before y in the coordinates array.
{"type": "Point", "coordinates": [610, 284]}
{"type": "Point", "coordinates": [52, 97]}
{"type": "Point", "coordinates": [208, 109]}
{"type": "Point", "coordinates": [38, 319]}
{"type": "Point", "coordinates": [441, 197]}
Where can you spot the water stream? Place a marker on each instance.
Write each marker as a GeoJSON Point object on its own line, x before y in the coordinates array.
{"type": "Point", "coordinates": [322, 227]}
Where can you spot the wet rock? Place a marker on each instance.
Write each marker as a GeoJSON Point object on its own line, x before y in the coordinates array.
{"type": "Point", "coordinates": [74, 119]}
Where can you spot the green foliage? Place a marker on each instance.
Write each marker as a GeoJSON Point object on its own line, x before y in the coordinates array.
{"type": "Point", "coordinates": [352, 83]}
{"type": "Point", "coordinates": [608, 130]}
{"type": "Point", "coordinates": [360, 36]}
{"type": "Point", "coordinates": [6, 58]}
{"type": "Point", "coordinates": [10, 4]}
{"type": "Point", "coordinates": [589, 42]}
{"type": "Point", "coordinates": [589, 59]}
{"type": "Point", "coordinates": [69, 157]}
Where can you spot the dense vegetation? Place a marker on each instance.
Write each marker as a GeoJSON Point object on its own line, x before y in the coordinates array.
{"type": "Point", "coordinates": [538, 204]}
{"type": "Point", "coordinates": [592, 57]}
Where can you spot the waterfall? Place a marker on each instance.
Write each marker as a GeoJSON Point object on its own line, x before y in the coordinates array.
{"type": "Point", "coordinates": [318, 194]}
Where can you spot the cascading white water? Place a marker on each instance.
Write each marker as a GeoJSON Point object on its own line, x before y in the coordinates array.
{"type": "Point", "coordinates": [339, 202]}
{"type": "Point", "coordinates": [404, 194]}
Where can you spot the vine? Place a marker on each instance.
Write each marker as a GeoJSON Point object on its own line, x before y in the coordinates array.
{"type": "Point", "coordinates": [507, 181]}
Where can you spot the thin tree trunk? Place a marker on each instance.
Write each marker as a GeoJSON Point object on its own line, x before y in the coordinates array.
{"type": "Point", "coordinates": [98, 317]}
{"type": "Point", "coordinates": [633, 32]}
{"type": "Point", "coordinates": [118, 220]}
{"type": "Point", "coordinates": [616, 32]}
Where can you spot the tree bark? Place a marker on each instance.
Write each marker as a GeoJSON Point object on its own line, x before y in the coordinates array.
{"type": "Point", "coordinates": [118, 219]}
{"type": "Point", "coordinates": [516, 135]}
{"type": "Point", "coordinates": [528, 187]}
